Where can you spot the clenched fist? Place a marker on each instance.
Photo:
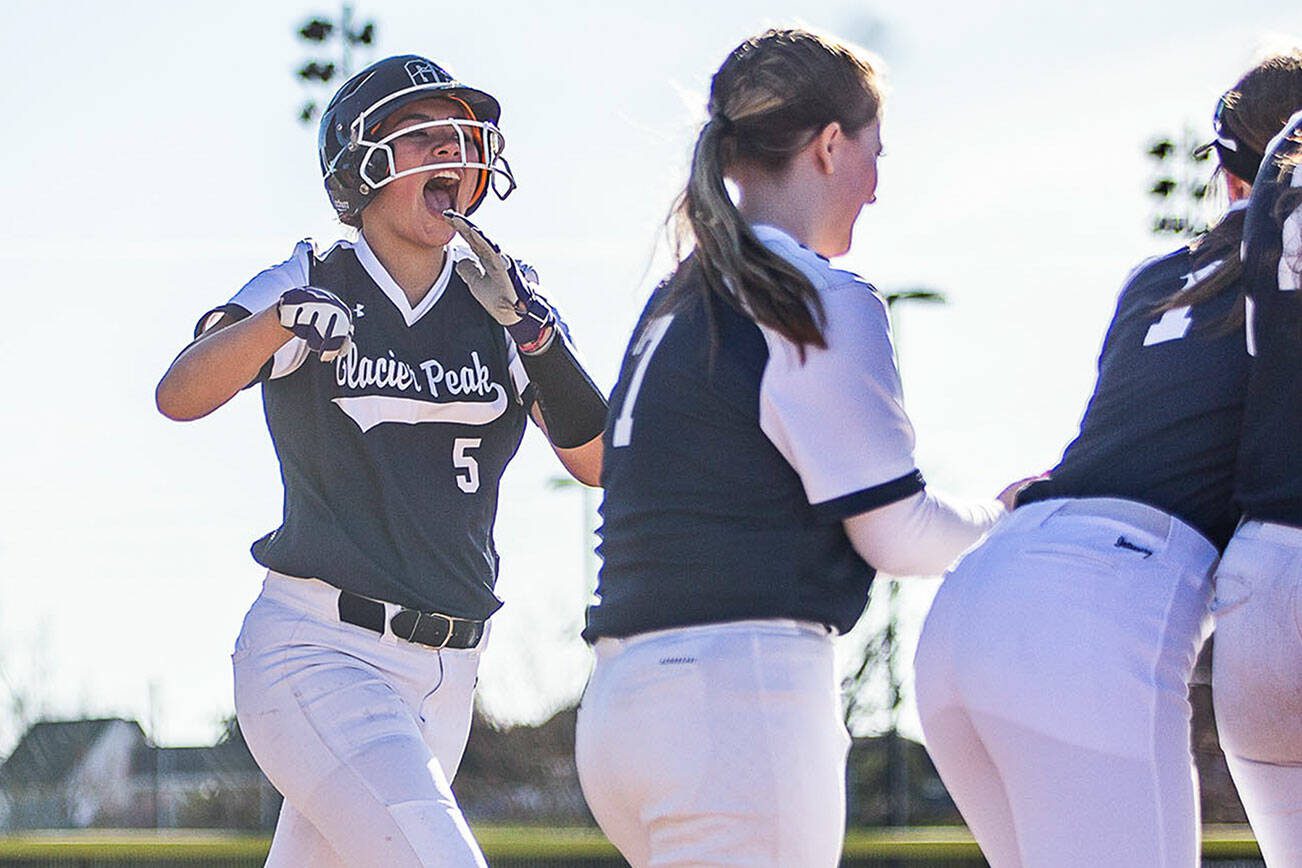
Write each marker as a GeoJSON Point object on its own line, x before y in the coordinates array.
{"type": "Point", "coordinates": [319, 318]}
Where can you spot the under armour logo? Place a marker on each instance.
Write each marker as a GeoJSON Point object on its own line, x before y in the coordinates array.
{"type": "Point", "coordinates": [424, 72]}
{"type": "Point", "coordinates": [359, 311]}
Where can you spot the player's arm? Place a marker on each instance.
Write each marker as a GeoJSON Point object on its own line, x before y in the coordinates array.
{"type": "Point", "coordinates": [568, 406]}
{"type": "Point", "coordinates": [922, 534]}
{"type": "Point", "coordinates": [224, 359]}
{"type": "Point", "coordinates": [583, 462]}
{"type": "Point", "coordinates": [231, 352]}
{"type": "Point", "coordinates": [838, 418]}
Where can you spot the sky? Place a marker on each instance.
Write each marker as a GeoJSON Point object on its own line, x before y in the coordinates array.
{"type": "Point", "coordinates": [155, 163]}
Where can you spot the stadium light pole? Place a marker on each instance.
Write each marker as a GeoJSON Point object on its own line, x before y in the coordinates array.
{"type": "Point", "coordinates": [884, 645]}
{"type": "Point", "coordinates": [1180, 185]}
{"type": "Point", "coordinates": [325, 36]}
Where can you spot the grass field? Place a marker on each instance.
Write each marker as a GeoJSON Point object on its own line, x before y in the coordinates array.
{"type": "Point", "coordinates": [542, 846]}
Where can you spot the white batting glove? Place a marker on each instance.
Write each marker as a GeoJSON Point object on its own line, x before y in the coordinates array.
{"type": "Point", "coordinates": [319, 318]}
{"type": "Point", "coordinates": [507, 289]}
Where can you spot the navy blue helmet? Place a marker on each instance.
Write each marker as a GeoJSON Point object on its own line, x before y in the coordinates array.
{"type": "Point", "coordinates": [356, 162]}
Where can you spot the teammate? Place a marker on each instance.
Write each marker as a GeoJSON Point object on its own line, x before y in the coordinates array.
{"type": "Point", "coordinates": [1257, 660]}
{"type": "Point", "coordinates": [397, 371]}
{"type": "Point", "coordinates": [1052, 672]}
{"type": "Point", "coordinates": [758, 460]}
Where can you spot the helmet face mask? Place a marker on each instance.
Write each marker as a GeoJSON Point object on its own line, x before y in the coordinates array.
{"type": "Point", "coordinates": [356, 161]}
{"type": "Point", "coordinates": [479, 146]}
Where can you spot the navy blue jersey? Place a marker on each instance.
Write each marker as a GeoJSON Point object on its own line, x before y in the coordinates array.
{"type": "Point", "coordinates": [727, 473]}
{"type": "Point", "coordinates": [391, 455]}
{"type": "Point", "coordinates": [1270, 462]}
{"type": "Point", "coordinates": [1162, 426]}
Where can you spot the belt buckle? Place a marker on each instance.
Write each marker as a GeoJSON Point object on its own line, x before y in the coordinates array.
{"type": "Point", "coordinates": [451, 625]}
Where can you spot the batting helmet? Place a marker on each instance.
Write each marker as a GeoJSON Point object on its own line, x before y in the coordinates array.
{"type": "Point", "coordinates": [356, 163]}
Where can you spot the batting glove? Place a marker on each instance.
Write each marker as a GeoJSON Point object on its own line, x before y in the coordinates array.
{"type": "Point", "coordinates": [319, 318]}
{"type": "Point", "coordinates": [507, 289]}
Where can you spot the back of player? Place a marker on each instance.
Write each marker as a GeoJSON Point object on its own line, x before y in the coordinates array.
{"type": "Point", "coordinates": [758, 460]}
{"type": "Point", "coordinates": [1257, 661]}
{"type": "Point", "coordinates": [1053, 669]}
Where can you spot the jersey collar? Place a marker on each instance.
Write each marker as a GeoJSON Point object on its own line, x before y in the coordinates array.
{"type": "Point", "coordinates": [390, 287]}
{"type": "Point", "coordinates": [773, 236]}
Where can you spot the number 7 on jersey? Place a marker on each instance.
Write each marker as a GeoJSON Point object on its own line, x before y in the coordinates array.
{"type": "Point", "coordinates": [642, 351]}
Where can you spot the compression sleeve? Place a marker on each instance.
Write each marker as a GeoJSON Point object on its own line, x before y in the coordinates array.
{"type": "Point", "coordinates": [921, 535]}
{"type": "Point", "coordinates": [572, 406]}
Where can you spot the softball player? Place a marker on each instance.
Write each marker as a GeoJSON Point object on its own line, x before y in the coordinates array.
{"type": "Point", "coordinates": [1257, 661]}
{"type": "Point", "coordinates": [1052, 671]}
{"type": "Point", "coordinates": [758, 460]}
{"type": "Point", "coordinates": [397, 371]}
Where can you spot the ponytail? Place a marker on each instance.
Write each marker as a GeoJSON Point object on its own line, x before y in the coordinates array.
{"type": "Point", "coordinates": [732, 263]}
{"type": "Point", "coordinates": [770, 98]}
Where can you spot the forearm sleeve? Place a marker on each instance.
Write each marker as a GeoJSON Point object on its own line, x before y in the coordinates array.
{"type": "Point", "coordinates": [920, 535]}
{"type": "Point", "coordinates": [572, 406]}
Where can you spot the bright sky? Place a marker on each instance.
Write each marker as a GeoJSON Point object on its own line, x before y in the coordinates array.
{"type": "Point", "coordinates": [154, 164]}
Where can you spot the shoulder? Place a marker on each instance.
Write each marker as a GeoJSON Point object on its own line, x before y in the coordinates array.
{"type": "Point", "coordinates": [816, 268]}
{"type": "Point", "coordinates": [1159, 276]}
{"type": "Point", "coordinates": [269, 284]}
{"type": "Point", "coordinates": [843, 293]}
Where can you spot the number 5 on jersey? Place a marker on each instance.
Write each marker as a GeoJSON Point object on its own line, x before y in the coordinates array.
{"type": "Point", "coordinates": [467, 466]}
{"type": "Point", "coordinates": [642, 351]}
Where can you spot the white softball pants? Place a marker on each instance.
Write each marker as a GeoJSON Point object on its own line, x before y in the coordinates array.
{"type": "Point", "coordinates": [717, 745]}
{"type": "Point", "coordinates": [1257, 681]}
{"type": "Point", "coordinates": [361, 733]}
{"type": "Point", "coordinates": [1052, 683]}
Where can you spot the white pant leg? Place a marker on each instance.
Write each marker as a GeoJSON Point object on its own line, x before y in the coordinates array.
{"type": "Point", "coordinates": [297, 842]}
{"type": "Point", "coordinates": [1067, 640]}
{"type": "Point", "coordinates": [1257, 682]}
{"type": "Point", "coordinates": [716, 745]}
{"type": "Point", "coordinates": [333, 714]}
{"type": "Point", "coordinates": [965, 766]}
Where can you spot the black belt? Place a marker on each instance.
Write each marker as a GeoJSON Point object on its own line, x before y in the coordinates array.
{"type": "Point", "coordinates": [423, 628]}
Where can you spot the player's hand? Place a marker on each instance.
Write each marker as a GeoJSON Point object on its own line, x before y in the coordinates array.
{"type": "Point", "coordinates": [318, 317]}
{"type": "Point", "coordinates": [1008, 497]}
{"type": "Point", "coordinates": [507, 289]}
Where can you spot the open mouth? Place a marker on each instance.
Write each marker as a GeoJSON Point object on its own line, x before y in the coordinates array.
{"type": "Point", "coordinates": [441, 190]}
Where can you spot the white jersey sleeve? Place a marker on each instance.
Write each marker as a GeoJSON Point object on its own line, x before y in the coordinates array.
{"type": "Point", "coordinates": [838, 417]}
{"type": "Point", "coordinates": [264, 290]}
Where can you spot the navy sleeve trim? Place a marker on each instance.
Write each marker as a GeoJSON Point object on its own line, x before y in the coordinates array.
{"type": "Point", "coordinates": [235, 312]}
{"type": "Point", "coordinates": [870, 498]}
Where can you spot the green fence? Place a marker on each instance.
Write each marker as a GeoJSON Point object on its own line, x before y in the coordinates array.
{"type": "Point", "coordinates": [512, 847]}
